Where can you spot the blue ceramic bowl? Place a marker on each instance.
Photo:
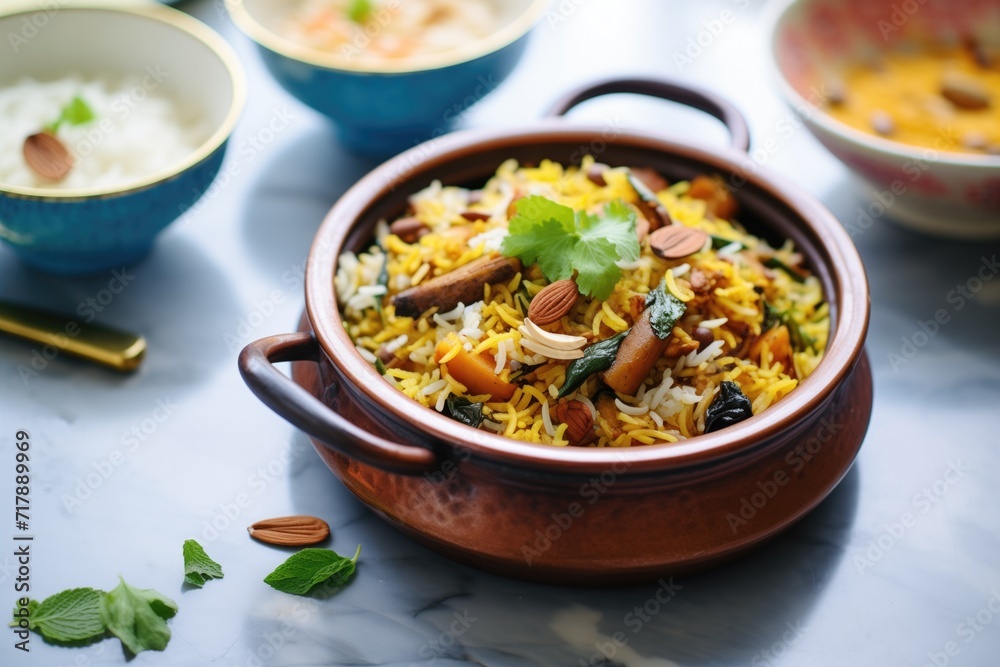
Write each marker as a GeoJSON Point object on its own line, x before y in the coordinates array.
{"type": "Point", "coordinates": [382, 108]}
{"type": "Point", "coordinates": [78, 231]}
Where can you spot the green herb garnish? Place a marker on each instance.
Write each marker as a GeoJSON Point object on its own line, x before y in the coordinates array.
{"type": "Point", "coordinates": [198, 567]}
{"type": "Point", "coordinates": [773, 317]}
{"type": "Point", "coordinates": [463, 410]}
{"type": "Point", "coordinates": [138, 617]}
{"type": "Point", "coordinates": [596, 358]}
{"type": "Point", "coordinates": [562, 241]}
{"type": "Point", "coordinates": [69, 617]}
{"type": "Point", "coordinates": [719, 242]}
{"type": "Point", "coordinates": [380, 366]}
{"type": "Point", "coordinates": [664, 311]}
{"type": "Point", "coordinates": [308, 568]}
{"type": "Point", "coordinates": [359, 10]}
{"type": "Point", "coordinates": [775, 263]}
{"type": "Point", "coordinates": [76, 112]}
{"type": "Point", "coordinates": [729, 407]}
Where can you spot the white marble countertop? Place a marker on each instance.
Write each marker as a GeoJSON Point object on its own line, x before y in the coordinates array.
{"type": "Point", "coordinates": [127, 467]}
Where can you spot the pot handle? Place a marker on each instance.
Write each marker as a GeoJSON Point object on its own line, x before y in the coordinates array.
{"type": "Point", "coordinates": [709, 102]}
{"type": "Point", "coordinates": [304, 411]}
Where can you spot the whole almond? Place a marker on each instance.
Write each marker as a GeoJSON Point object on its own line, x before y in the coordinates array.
{"type": "Point", "coordinates": [554, 301]}
{"type": "Point", "coordinates": [47, 156]}
{"type": "Point", "coordinates": [677, 241]}
{"type": "Point", "coordinates": [290, 531]}
{"type": "Point", "coordinates": [579, 422]}
{"type": "Point", "coordinates": [408, 229]}
{"type": "Point", "coordinates": [964, 92]}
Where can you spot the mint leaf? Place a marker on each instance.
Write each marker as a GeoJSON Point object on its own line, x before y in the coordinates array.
{"type": "Point", "coordinates": [561, 242]}
{"type": "Point", "coordinates": [308, 568]}
{"type": "Point", "coordinates": [70, 616]}
{"type": "Point", "coordinates": [198, 567]}
{"type": "Point", "coordinates": [137, 616]}
{"type": "Point", "coordinates": [359, 10]}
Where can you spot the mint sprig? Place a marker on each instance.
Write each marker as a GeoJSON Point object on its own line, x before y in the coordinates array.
{"type": "Point", "coordinates": [198, 566]}
{"type": "Point", "coordinates": [309, 568]}
{"type": "Point", "coordinates": [138, 617]}
{"type": "Point", "coordinates": [73, 615]}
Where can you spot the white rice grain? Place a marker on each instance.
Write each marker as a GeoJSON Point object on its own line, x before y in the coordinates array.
{"type": "Point", "coordinates": [433, 387]}
{"type": "Point", "coordinates": [635, 411]}
{"type": "Point", "coordinates": [713, 324]}
{"type": "Point", "coordinates": [547, 420]}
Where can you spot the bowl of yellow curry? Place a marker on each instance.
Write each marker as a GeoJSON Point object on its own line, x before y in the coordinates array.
{"type": "Point", "coordinates": [907, 95]}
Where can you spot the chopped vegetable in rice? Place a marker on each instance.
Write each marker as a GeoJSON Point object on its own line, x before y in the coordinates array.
{"type": "Point", "coordinates": [584, 306]}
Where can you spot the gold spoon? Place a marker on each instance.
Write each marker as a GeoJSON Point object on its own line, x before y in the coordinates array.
{"type": "Point", "coordinates": [47, 156]}
{"type": "Point", "coordinates": [120, 350]}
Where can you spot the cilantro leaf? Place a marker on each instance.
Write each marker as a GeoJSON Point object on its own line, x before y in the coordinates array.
{"type": "Point", "coordinates": [617, 225]}
{"type": "Point", "coordinates": [137, 616]}
{"type": "Point", "coordinates": [70, 616]}
{"type": "Point", "coordinates": [76, 112]}
{"type": "Point", "coordinates": [562, 241]}
{"type": "Point", "coordinates": [308, 568]}
{"type": "Point", "coordinates": [597, 273]}
{"type": "Point", "coordinates": [198, 567]}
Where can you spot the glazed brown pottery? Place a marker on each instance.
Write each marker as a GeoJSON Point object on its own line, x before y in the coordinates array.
{"type": "Point", "coordinates": [576, 515]}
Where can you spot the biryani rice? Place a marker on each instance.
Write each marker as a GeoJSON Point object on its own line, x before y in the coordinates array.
{"type": "Point", "coordinates": [672, 402]}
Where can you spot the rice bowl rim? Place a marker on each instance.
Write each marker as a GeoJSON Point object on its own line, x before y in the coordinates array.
{"type": "Point", "coordinates": [191, 27]}
{"type": "Point", "coordinates": [850, 310]}
{"type": "Point", "coordinates": [283, 46]}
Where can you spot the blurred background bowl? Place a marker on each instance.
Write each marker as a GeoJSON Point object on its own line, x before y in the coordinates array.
{"type": "Point", "coordinates": [943, 193]}
{"type": "Point", "coordinates": [76, 231]}
{"type": "Point", "coordinates": [382, 108]}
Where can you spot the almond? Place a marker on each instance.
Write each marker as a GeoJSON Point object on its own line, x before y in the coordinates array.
{"type": "Point", "coordinates": [47, 156]}
{"type": "Point", "coordinates": [475, 216]}
{"type": "Point", "coordinates": [964, 92]}
{"type": "Point", "coordinates": [290, 531]}
{"type": "Point", "coordinates": [554, 301]}
{"type": "Point", "coordinates": [677, 241]}
{"type": "Point", "coordinates": [579, 422]}
{"type": "Point", "coordinates": [408, 229]}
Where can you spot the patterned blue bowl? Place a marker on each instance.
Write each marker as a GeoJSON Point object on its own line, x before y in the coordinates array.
{"type": "Point", "coordinates": [383, 108]}
{"type": "Point", "coordinates": [92, 230]}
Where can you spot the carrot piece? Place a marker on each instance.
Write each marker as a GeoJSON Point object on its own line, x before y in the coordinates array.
{"type": "Point", "coordinates": [636, 357]}
{"type": "Point", "coordinates": [475, 371]}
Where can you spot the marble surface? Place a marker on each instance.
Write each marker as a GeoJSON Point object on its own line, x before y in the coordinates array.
{"type": "Point", "coordinates": [898, 567]}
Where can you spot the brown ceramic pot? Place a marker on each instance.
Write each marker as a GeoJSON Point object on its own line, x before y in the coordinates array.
{"type": "Point", "coordinates": [576, 515]}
